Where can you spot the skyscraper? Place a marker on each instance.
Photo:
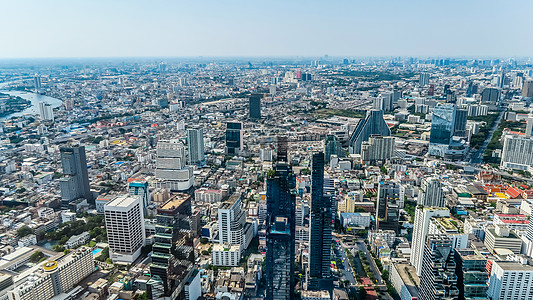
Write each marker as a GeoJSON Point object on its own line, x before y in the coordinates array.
{"type": "Point", "coordinates": [378, 149]}
{"type": "Point", "coordinates": [424, 79]}
{"type": "Point", "coordinates": [471, 270]}
{"type": "Point", "coordinates": [195, 143]}
{"type": "Point", "coordinates": [75, 182]}
{"type": "Point", "coordinates": [320, 229]}
{"type": "Point", "coordinates": [374, 123]}
{"type": "Point", "coordinates": [45, 112]}
{"type": "Point", "coordinates": [438, 279]}
{"type": "Point", "coordinates": [255, 106]}
{"type": "Point", "coordinates": [171, 170]}
{"type": "Point", "coordinates": [527, 88]}
{"type": "Point", "coordinates": [431, 193]}
{"type": "Point", "coordinates": [125, 228]}
{"type": "Point", "coordinates": [490, 95]}
{"type": "Point", "coordinates": [280, 230]}
{"type": "Point", "coordinates": [447, 122]}
{"type": "Point", "coordinates": [332, 147]}
{"type": "Point", "coordinates": [442, 124]}
{"type": "Point", "coordinates": [173, 250]}
{"type": "Point", "coordinates": [139, 187]}
{"type": "Point", "coordinates": [384, 102]}
{"type": "Point", "coordinates": [420, 232]}
{"type": "Point", "coordinates": [460, 122]}
{"type": "Point", "coordinates": [232, 226]}
{"type": "Point", "coordinates": [510, 280]}
{"type": "Point", "coordinates": [234, 138]}
{"type": "Point", "coordinates": [388, 206]}
{"type": "Point", "coordinates": [517, 151]}
{"type": "Point", "coordinates": [37, 83]}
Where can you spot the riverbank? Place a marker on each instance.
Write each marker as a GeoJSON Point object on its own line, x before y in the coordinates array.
{"type": "Point", "coordinates": [12, 104]}
{"type": "Point", "coordinates": [33, 106]}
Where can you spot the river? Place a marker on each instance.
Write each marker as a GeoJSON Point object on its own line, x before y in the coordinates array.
{"type": "Point", "coordinates": [35, 100]}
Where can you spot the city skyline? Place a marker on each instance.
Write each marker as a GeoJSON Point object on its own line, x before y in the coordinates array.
{"type": "Point", "coordinates": [277, 29]}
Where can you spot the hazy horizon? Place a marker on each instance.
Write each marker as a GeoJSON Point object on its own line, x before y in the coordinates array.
{"type": "Point", "coordinates": [275, 29]}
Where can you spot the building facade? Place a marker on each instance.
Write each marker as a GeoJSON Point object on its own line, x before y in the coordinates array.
{"type": "Point", "coordinates": [171, 171]}
{"type": "Point", "coordinates": [374, 123]}
{"type": "Point", "coordinates": [75, 181]}
{"type": "Point", "coordinates": [125, 228]}
{"type": "Point", "coordinates": [195, 143]}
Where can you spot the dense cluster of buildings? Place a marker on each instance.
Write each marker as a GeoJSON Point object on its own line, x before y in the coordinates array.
{"type": "Point", "coordinates": [251, 180]}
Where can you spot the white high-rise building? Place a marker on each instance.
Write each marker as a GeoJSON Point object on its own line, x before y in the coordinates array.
{"type": "Point", "coordinates": [232, 226]}
{"type": "Point", "coordinates": [195, 142]}
{"type": "Point", "coordinates": [431, 193]}
{"type": "Point", "coordinates": [510, 280]}
{"type": "Point", "coordinates": [517, 152]}
{"type": "Point", "coordinates": [125, 228]}
{"type": "Point", "coordinates": [265, 154]}
{"type": "Point", "coordinates": [171, 170]}
{"type": "Point", "coordinates": [420, 231]}
{"type": "Point", "coordinates": [45, 112]}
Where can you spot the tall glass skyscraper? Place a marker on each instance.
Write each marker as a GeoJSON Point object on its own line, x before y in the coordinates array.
{"type": "Point", "coordinates": [280, 233]}
{"type": "Point", "coordinates": [442, 124]}
{"type": "Point", "coordinates": [255, 106]}
{"type": "Point", "coordinates": [388, 206]}
{"type": "Point", "coordinates": [173, 252]}
{"type": "Point", "coordinates": [320, 236]}
{"type": "Point", "coordinates": [333, 147]}
{"type": "Point", "coordinates": [447, 124]}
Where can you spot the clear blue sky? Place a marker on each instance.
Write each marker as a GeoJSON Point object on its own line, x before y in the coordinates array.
{"type": "Point", "coordinates": [98, 28]}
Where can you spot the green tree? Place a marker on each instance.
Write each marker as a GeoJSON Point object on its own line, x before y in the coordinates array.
{"type": "Point", "coordinates": [383, 170]}
{"type": "Point", "coordinates": [142, 296]}
{"type": "Point", "coordinates": [24, 231]}
{"type": "Point", "coordinates": [36, 256]}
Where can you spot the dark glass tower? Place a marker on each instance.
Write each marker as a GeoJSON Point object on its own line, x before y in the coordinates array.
{"type": "Point", "coordinates": [280, 239]}
{"type": "Point", "coordinates": [320, 236]}
{"type": "Point", "coordinates": [173, 252]}
{"type": "Point", "coordinates": [388, 212]}
{"type": "Point", "coordinates": [333, 147]}
{"type": "Point", "coordinates": [255, 106]}
{"type": "Point", "coordinates": [234, 138]}
{"type": "Point", "coordinates": [75, 182]}
{"type": "Point", "coordinates": [471, 273]}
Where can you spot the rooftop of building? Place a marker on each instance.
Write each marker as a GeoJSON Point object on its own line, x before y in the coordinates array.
{"type": "Point", "coordinates": [408, 275]}
{"type": "Point", "coordinates": [513, 266]}
{"type": "Point", "coordinates": [231, 201]}
{"type": "Point", "coordinates": [122, 201]}
{"type": "Point", "coordinates": [447, 223]}
{"type": "Point", "coordinates": [175, 201]}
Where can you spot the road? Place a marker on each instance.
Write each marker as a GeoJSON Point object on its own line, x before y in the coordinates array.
{"type": "Point", "coordinates": [362, 247]}
{"type": "Point", "coordinates": [477, 157]}
{"type": "Point", "coordinates": [348, 271]}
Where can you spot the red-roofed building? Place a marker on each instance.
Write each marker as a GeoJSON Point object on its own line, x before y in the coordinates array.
{"type": "Point", "coordinates": [513, 221]}
{"type": "Point", "coordinates": [513, 193]}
